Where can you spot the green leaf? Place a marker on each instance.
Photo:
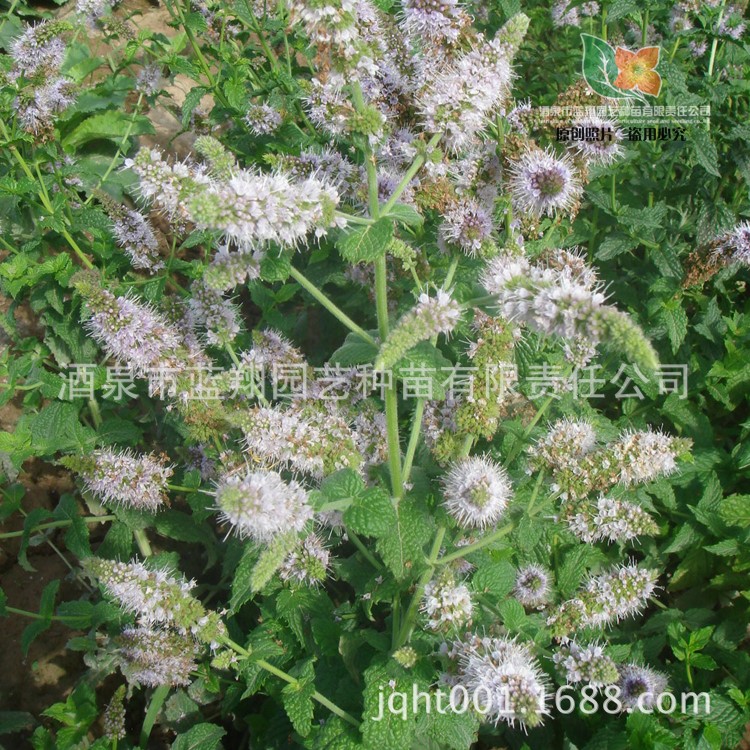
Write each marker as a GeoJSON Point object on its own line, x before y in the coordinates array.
{"type": "Point", "coordinates": [15, 721]}
{"type": "Point", "coordinates": [371, 514]}
{"type": "Point", "coordinates": [46, 609]}
{"type": "Point", "coordinates": [200, 737]}
{"type": "Point", "coordinates": [676, 320]}
{"type": "Point", "coordinates": [402, 548]}
{"type": "Point", "coordinates": [275, 267]}
{"type": "Point", "coordinates": [354, 351]}
{"type": "Point", "coordinates": [615, 244]}
{"type": "Point", "coordinates": [513, 614]}
{"type": "Point", "coordinates": [392, 731]}
{"type": "Point", "coordinates": [735, 510]}
{"type": "Point", "coordinates": [77, 534]}
{"type": "Point", "coordinates": [406, 215]}
{"type": "Point", "coordinates": [56, 428]}
{"type": "Point", "coordinates": [705, 150]}
{"type": "Point", "coordinates": [112, 125]}
{"type": "Point", "coordinates": [297, 699]}
{"type": "Point", "coordinates": [599, 67]}
{"type": "Point", "coordinates": [365, 244]}
{"type": "Point", "coordinates": [456, 731]}
{"type": "Point", "coordinates": [496, 578]}
{"type": "Point", "coordinates": [620, 9]}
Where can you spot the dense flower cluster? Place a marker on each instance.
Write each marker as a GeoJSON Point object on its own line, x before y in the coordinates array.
{"type": "Point", "coordinates": [543, 184]}
{"type": "Point", "coordinates": [430, 317]}
{"type": "Point", "coordinates": [260, 505]}
{"type": "Point", "coordinates": [605, 599]}
{"type": "Point", "coordinates": [157, 657]}
{"type": "Point", "coordinates": [308, 563]}
{"type": "Point", "coordinates": [156, 597]}
{"type": "Point", "coordinates": [610, 520]}
{"type": "Point", "coordinates": [532, 587]}
{"type": "Point", "coordinates": [563, 297]}
{"type": "Point", "coordinates": [38, 55]}
{"type": "Point", "coordinates": [136, 237]}
{"type": "Point", "coordinates": [121, 478]}
{"type": "Point", "coordinates": [640, 687]}
{"type": "Point", "coordinates": [446, 604]}
{"type": "Point", "coordinates": [476, 491]}
{"type": "Point", "coordinates": [508, 673]}
{"type": "Point", "coordinates": [589, 664]}
{"type": "Point", "coordinates": [305, 436]}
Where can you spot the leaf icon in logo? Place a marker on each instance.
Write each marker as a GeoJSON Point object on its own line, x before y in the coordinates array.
{"type": "Point", "coordinates": [600, 69]}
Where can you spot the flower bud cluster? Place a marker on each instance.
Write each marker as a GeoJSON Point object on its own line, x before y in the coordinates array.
{"type": "Point", "coordinates": [509, 675]}
{"type": "Point", "coordinates": [611, 521]}
{"type": "Point", "coordinates": [156, 597]}
{"type": "Point", "coordinates": [447, 604]}
{"type": "Point", "coordinates": [157, 657]}
{"type": "Point", "coordinates": [260, 505]}
{"type": "Point", "coordinates": [308, 563]}
{"type": "Point", "coordinates": [532, 587]}
{"type": "Point", "coordinates": [606, 598]}
{"type": "Point", "coordinates": [587, 664]}
{"type": "Point", "coordinates": [430, 317]}
{"type": "Point", "coordinates": [580, 465]}
{"type": "Point", "coordinates": [307, 436]}
{"type": "Point", "coordinates": [121, 478]}
{"type": "Point", "coordinates": [562, 297]}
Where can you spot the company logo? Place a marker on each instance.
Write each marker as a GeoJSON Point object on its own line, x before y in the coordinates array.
{"type": "Point", "coordinates": [620, 73]}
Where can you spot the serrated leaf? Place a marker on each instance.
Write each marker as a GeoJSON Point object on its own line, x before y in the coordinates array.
{"type": "Point", "coordinates": [297, 699]}
{"type": "Point", "coordinates": [676, 321]}
{"type": "Point", "coordinates": [365, 244]}
{"type": "Point", "coordinates": [77, 534]}
{"type": "Point", "coordinates": [735, 510]}
{"type": "Point", "coordinates": [407, 215]}
{"type": "Point", "coordinates": [496, 578]}
{"type": "Point", "coordinates": [200, 737]}
{"type": "Point", "coordinates": [275, 267]}
{"type": "Point", "coordinates": [402, 548]}
{"type": "Point", "coordinates": [614, 245]}
{"type": "Point", "coordinates": [392, 731]}
{"type": "Point", "coordinates": [705, 150]}
{"type": "Point", "coordinates": [192, 100]}
{"type": "Point", "coordinates": [513, 614]}
{"type": "Point", "coordinates": [371, 514]}
{"type": "Point", "coordinates": [112, 126]}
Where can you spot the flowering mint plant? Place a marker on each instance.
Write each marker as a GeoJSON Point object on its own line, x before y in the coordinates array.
{"type": "Point", "coordinates": [365, 383]}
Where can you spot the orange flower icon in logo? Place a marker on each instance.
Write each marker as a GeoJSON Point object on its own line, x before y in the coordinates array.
{"type": "Point", "coordinates": [636, 70]}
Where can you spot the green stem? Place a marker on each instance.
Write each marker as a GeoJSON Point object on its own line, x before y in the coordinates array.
{"type": "Point", "coordinates": [416, 428]}
{"type": "Point", "coordinates": [410, 616]}
{"type": "Point", "coordinates": [332, 707]}
{"type": "Point", "coordinates": [357, 542]}
{"type": "Point", "coordinates": [57, 525]}
{"type": "Point", "coordinates": [715, 42]}
{"type": "Point", "coordinates": [337, 312]}
{"type": "Point", "coordinates": [142, 541]}
{"type": "Point", "coordinates": [644, 28]}
{"type": "Point", "coordinates": [154, 706]}
{"type": "Point", "coordinates": [498, 534]}
{"type": "Point", "coordinates": [119, 152]}
{"type": "Point", "coordinates": [410, 173]}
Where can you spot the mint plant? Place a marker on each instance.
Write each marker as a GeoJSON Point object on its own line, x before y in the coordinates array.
{"type": "Point", "coordinates": [368, 380]}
